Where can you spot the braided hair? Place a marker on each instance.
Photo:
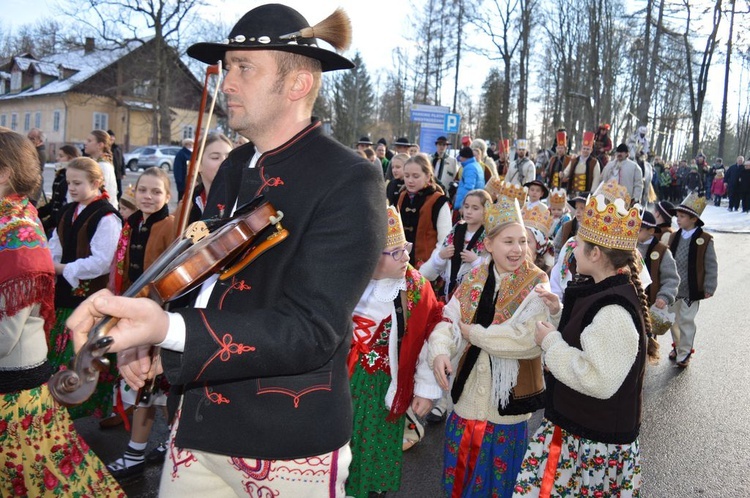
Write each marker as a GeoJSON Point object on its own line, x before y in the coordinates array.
{"type": "Point", "coordinates": [632, 261]}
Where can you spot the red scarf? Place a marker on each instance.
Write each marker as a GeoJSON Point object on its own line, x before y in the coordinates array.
{"type": "Point", "coordinates": [422, 314]}
{"type": "Point", "coordinates": [27, 275]}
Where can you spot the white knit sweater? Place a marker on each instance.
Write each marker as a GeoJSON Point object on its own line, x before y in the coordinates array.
{"type": "Point", "coordinates": [609, 345]}
{"type": "Point", "coordinates": [512, 339]}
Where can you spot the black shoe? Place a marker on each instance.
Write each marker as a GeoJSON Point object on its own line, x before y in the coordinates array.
{"type": "Point", "coordinates": [158, 454]}
{"type": "Point", "coordinates": [435, 416]}
{"type": "Point", "coordinates": [120, 471]}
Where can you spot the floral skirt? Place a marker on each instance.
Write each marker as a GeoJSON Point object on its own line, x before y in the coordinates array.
{"type": "Point", "coordinates": [376, 442]}
{"type": "Point", "coordinates": [585, 467]}
{"type": "Point", "coordinates": [42, 455]}
{"type": "Point", "coordinates": [486, 469]}
{"type": "Point", "coordinates": [61, 354]}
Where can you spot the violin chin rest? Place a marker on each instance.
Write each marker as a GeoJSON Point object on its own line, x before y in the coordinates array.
{"type": "Point", "coordinates": [254, 252]}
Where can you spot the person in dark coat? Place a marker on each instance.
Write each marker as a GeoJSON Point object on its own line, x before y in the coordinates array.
{"type": "Point", "coordinates": [743, 186]}
{"type": "Point", "coordinates": [118, 161]}
{"type": "Point", "coordinates": [261, 359]}
{"type": "Point", "coordinates": [730, 178]}
{"type": "Point", "coordinates": [180, 166]}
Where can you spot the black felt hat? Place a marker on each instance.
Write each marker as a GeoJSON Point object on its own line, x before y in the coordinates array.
{"type": "Point", "coordinates": [271, 27]}
{"type": "Point", "coordinates": [402, 141]}
{"type": "Point", "coordinates": [581, 197]}
{"type": "Point", "coordinates": [441, 140]}
{"type": "Point", "coordinates": [648, 220]}
{"type": "Point", "coordinates": [364, 141]}
{"type": "Point", "coordinates": [666, 209]}
{"type": "Point", "coordinates": [545, 190]}
{"type": "Point", "coordinates": [622, 148]}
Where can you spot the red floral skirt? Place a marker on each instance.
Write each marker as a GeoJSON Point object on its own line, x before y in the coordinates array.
{"type": "Point", "coordinates": [42, 455]}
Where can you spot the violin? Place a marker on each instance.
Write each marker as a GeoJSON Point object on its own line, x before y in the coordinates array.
{"type": "Point", "coordinates": [206, 248]}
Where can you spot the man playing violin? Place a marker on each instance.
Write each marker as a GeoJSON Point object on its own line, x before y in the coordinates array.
{"type": "Point", "coordinates": [261, 357]}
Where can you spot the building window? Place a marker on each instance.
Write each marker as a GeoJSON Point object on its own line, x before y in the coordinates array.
{"type": "Point", "coordinates": [15, 80]}
{"type": "Point", "coordinates": [101, 121]}
{"type": "Point", "coordinates": [56, 121]}
{"type": "Point", "coordinates": [2, 87]}
{"type": "Point", "coordinates": [142, 88]}
{"type": "Point", "coordinates": [37, 81]}
{"type": "Point", "coordinates": [27, 121]}
{"type": "Point", "coordinates": [3, 119]}
{"type": "Point", "coordinates": [38, 120]}
{"type": "Point", "coordinates": [14, 121]}
{"type": "Point", "coordinates": [188, 132]}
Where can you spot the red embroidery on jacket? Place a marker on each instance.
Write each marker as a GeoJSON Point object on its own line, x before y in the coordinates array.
{"type": "Point", "coordinates": [215, 397]}
{"type": "Point", "coordinates": [258, 471]}
{"type": "Point", "coordinates": [277, 180]}
{"type": "Point", "coordinates": [228, 346]}
{"type": "Point", "coordinates": [238, 285]}
{"type": "Point", "coordinates": [295, 395]}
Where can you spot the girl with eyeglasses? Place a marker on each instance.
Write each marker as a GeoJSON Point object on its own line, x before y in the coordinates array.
{"type": "Point", "coordinates": [389, 376]}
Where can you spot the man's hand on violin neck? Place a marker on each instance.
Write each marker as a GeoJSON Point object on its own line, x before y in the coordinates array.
{"type": "Point", "coordinates": [141, 321]}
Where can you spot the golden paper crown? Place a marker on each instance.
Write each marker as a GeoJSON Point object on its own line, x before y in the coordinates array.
{"type": "Point", "coordinates": [613, 190]}
{"type": "Point", "coordinates": [558, 197]}
{"type": "Point", "coordinates": [693, 204]}
{"type": "Point", "coordinates": [610, 225]}
{"type": "Point", "coordinates": [395, 235]}
{"type": "Point", "coordinates": [538, 217]}
{"type": "Point", "coordinates": [129, 196]}
{"type": "Point", "coordinates": [505, 210]}
{"type": "Point", "coordinates": [497, 187]}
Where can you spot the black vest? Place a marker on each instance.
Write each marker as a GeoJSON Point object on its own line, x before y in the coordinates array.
{"type": "Point", "coordinates": [616, 420]}
{"type": "Point", "coordinates": [75, 238]}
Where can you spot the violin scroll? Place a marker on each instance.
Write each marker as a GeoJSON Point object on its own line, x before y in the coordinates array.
{"type": "Point", "coordinates": [74, 386]}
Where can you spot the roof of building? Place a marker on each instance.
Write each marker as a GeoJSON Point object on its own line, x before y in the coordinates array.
{"type": "Point", "coordinates": [82, 65]}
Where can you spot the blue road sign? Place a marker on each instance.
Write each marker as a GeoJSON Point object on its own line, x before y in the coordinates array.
{"type": "Point", "coordinates": [451, 123]}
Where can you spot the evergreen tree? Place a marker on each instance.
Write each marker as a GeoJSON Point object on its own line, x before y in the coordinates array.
{"type": "Point", "coordinates": [492, 97]}
{"type": "Point", "coordinates": [353, 103]}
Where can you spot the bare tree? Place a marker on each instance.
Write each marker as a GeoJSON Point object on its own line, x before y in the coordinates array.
{"type": "Point", "coordinates": [121, 22]}
{"type": "Point", "coordinates": [698, 86]}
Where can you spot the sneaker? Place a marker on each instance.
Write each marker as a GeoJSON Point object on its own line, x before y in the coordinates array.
{"type": "Point", "coordinates": [684, 363]}
{"type": "Point", "coordinates": [158, 454]}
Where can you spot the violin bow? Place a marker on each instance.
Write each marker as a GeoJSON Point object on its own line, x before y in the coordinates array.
{"type": "Point", "coordinates": [196, 156]}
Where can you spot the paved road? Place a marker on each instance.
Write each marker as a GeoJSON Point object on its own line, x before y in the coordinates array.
{"type": "Point", "coordinates": [695, 437]}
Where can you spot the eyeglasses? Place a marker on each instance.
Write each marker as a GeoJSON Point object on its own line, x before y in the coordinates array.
{"type": "Point", "coordinates": [398, 254]}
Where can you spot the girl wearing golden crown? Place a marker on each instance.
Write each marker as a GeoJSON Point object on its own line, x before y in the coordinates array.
{"type": "Point", "coordinates": [596, 359]}
{"type": "Point", "coordinates": [387, 373]}
{"type": "Point", "coordinates": [487, 339]}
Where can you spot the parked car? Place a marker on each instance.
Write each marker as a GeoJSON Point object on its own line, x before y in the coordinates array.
{"type": "Point", "coordinates": [131, 158]}
{"type": "Point", "coordinates": [158, 155]}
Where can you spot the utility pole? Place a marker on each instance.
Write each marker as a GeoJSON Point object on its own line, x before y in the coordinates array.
{"type": "Point", "coordinates": [458, 51]}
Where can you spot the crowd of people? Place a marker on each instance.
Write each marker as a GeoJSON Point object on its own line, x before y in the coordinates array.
{"type": "Point", "coordinates": [470, 290]}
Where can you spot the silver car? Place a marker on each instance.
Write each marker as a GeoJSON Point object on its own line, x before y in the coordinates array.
{"type": "Point", "coordinates": [161, 156]}
{"type": "Point", "coordinates": [131, 158]}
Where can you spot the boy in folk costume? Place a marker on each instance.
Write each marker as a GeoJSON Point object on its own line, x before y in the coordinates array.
{"type": "Point", "coordinates": [392, 321]}
{"type": "Point", "coordinates": [487, 330]}
{"type": "Point", "coordinates": [559, 162]}
{"type": "Point", "coordinates": [664, 212]}
{"type": "Point", "coordinates": [558, 206]}
{"type": "Point", "coordinates": [538, 191]}
{"type": "Point", "coordinates": [662, 269]}
{"type": "Point", "coordinates": [694, 253]}
{"type": "Point", "coordinates": [538, 221]}
{"type": "Point", "coordinates": [582, 173]}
